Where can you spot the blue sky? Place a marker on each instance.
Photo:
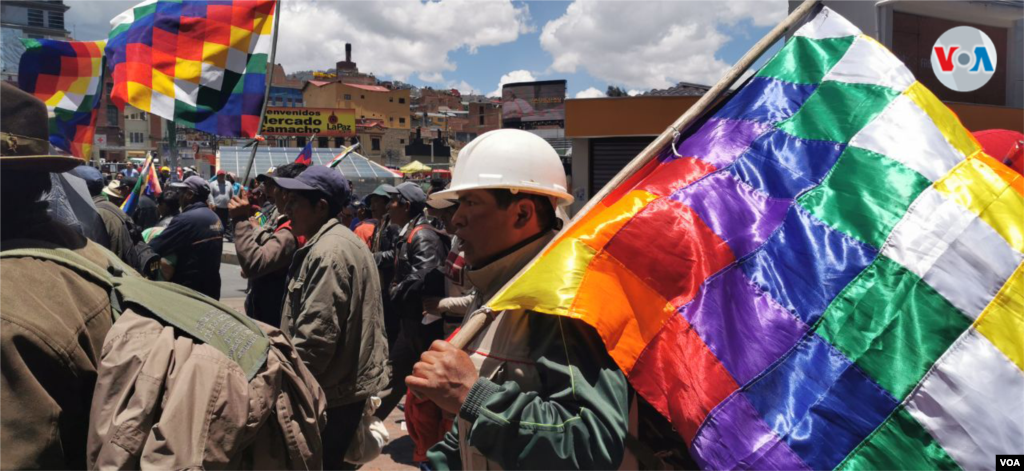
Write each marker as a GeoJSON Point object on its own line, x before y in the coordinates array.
{"type": "Point", "coordinates": [473, 45]}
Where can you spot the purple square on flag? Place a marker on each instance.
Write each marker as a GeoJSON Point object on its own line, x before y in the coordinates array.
{"type": "Point", "coordinates": [720, 141]}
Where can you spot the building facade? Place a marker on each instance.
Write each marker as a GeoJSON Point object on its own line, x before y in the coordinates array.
{"type": "Point", "coordinates": [483, 117]}
{"type": "Point", "coordinates": [369, 101]}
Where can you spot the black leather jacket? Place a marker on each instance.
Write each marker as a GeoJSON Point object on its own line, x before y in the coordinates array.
{"type": "Point", "coordinates": [414, 258]}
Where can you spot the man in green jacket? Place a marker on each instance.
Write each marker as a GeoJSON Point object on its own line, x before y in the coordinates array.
{"type": "Point", "coordinates": [534, 390]}
{"type": "Point", "coordinates": [332, 307]}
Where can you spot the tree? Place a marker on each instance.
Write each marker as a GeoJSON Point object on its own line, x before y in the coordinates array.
{"type": "Point", "coordinates": [615, 91]}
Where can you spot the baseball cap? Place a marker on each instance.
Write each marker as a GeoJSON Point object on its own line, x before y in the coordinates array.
{"type": "Point", "coordinates": [221, 172]}
{"type": "Point", "coordinates": [411, 192]}
{"type": "Point", "coordinates": [318, 178]}
{"type": "Point", "coordinates": [194, 183]}
{"type": "Point", "coordinates": [384, 190]}
{"type": "Point", "coordinates": [92, 176]}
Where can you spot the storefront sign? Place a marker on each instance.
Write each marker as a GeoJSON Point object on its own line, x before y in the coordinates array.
{"type": "Point", "coordinates": [324, 122]}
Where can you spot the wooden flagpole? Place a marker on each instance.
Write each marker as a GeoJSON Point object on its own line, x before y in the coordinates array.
{"type": "Point", "coordinates": [266, 92]}
{"type": "Point", "coordinates": [479, 319]}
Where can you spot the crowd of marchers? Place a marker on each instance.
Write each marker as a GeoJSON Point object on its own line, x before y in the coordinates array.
{"type": "Point", "coordinates": [117, 353]}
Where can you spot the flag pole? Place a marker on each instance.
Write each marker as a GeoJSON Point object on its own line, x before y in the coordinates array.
{"type": "Point", "coordinates": [479, 319]}
{"type": "Point", "coordinates": [266, 91]}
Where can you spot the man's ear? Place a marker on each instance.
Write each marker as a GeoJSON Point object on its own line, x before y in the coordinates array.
{"type": "Point", "coordinates": [525, 211]}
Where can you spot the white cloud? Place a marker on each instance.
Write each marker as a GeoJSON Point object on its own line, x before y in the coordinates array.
{"type": "Point", "coordinates": [397, 40]}
{"type": "Point", "coordinates": [634, 92]}
{"type": "Point", "coordinates": [463, 87]}
{"type": "Point", "coordinates": [512, 77]}
{"type": "Point", "coordinates": [664, 42]}
{"type": "Point", "coordinates": [590, 93]}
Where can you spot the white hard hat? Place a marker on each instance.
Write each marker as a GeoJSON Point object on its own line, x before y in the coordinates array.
{"type": "Point", "coordinates": [509, 159]}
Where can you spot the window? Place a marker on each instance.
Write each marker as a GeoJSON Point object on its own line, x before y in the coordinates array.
{"type": "Point", "coordinates": [35, 18]}
{"type": "Point", "coordinates": [481, 120]}
{"type": "Point", "coordinates": [300, 141]}
{"type": "Point", "coordinates": [348, 97]}
{"type": "Point", "coordinates": [339, 142]}
{"type": "Point", "coordinates": [391, 99]}
{"type": "Point", "coordinates": [391, 119]}
{"type": "Point", "coordinates": [55, 19]}
{"type": "Point", "coordinates": [401, 120]}
{"type": "Point", "coordinates": [362, 97]}
{"type": "Point", "coordinates": [322, 142]}
{"type": "Point", "coordinates": [112, 114]}
{"type": "Point", "coordinates": [401, 141]}
{"type": "Point", "coordinates": [401, 100]}
{"type": "Point", "coordinates": [136, 138]}
{"type": "Point", "coordinates": [375, 144]}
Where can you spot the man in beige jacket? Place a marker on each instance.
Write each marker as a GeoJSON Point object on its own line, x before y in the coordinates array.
{"type": "Point", "coordinates": [332, 308]}
{"type": "Point", "coordinates": [52, 320]}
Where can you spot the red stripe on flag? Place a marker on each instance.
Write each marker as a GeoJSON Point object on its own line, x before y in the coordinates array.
{"type": "Point", "coordinates": [671, 249]}
{"type": "Point", "coordinates": [680, 377]}
{"type": "Point", "coordinates": [674, 175]}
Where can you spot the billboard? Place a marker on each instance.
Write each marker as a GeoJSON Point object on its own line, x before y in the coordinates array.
{"type": "Point", "coordinates": [324, 122]}
{"type": "Point", "coordinates": [528, 104]}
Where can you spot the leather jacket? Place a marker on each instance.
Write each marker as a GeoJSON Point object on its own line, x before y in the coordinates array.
{"type": "Point", "coordinates": [420, 249]}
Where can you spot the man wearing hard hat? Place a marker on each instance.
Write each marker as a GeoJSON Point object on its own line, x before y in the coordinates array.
{"type": "Point", "coordinates": [532, 390]}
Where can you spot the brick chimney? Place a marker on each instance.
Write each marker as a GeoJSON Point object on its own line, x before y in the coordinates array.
{"type": "Point", "coordinates": [348, 52]}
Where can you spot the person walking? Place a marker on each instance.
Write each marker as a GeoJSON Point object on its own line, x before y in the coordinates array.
{"type": "Point", "coordinates": [332, 309]}
{"type": "Point", "coordinates": [222, 190]}
{"type": "Point", "coordinates": [195, 238]}
{"type": "Point", "coordinates": [532, 390]}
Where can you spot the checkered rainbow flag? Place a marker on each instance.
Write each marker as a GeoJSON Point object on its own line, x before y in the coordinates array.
{"type": "Point", "coordinates": [68, 77]}
{"type": "Point", "coordinates": [202, 63]}
{"type": "Point", "coordinates": [829, 274]}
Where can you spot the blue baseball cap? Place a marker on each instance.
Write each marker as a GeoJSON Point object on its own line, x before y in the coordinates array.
{"type": "Point", "coordinates": [195, 183]}
{"type": "Point", "coordinates": [411, 192]}
{"type": "Point", "coordinates": [92, 176]}
{"type": "Point", "coordinates": [318, 178]}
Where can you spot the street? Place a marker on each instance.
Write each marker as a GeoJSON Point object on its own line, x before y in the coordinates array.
{"type": "Point", "coordinates": [397, 454]}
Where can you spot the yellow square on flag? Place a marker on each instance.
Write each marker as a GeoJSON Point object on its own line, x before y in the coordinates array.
{"type": "Point", "coordinates": [162, 83]}
{"type": "Point", "coordinates": [189, 70]}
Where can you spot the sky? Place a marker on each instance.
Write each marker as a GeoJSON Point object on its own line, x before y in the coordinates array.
{"type": "Point", "coordinates": [475, 46]}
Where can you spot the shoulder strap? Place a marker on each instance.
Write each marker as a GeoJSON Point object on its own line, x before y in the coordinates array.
{"type": "Point", "coordinates": [417, 229]}
{"type": "Point", "coordinates": [198, 316]}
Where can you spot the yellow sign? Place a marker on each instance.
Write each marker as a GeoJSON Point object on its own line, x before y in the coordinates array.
{"type": "Point", "coordinates": [324, 122]}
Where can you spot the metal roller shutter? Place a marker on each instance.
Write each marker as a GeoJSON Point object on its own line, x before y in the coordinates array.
{"type": "Point", "coordinates": [608, 156]}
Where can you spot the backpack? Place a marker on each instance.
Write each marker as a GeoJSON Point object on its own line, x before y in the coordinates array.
{"type": "Point", "coordinates": [172, 304]}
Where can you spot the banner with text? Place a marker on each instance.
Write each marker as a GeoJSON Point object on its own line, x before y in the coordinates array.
{"type": "Point", "coordinates": [324, 122]}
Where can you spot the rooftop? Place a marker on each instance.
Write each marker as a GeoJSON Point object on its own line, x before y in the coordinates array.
{"type": "Point", "coordinates": [681, 89]}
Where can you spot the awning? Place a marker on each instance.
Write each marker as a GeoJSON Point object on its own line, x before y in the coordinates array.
{"type": "Point", "coordinates": [415, 167]}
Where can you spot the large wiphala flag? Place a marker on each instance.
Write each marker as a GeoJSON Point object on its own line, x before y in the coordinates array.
{"type": "Point", "coordinates": [68, 77]}
{"type": "Point", "coordinates": [829, 277]}
{"type": "Point", "coordinates": [200, 63]}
